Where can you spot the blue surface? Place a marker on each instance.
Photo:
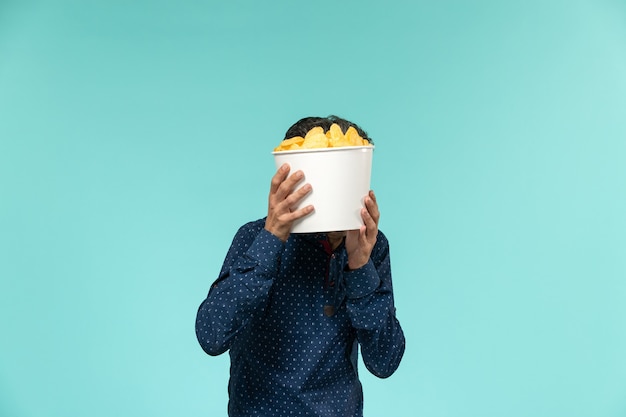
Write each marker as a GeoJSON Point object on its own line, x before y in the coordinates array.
{"type": "Point", "coordinates": [135, 138]}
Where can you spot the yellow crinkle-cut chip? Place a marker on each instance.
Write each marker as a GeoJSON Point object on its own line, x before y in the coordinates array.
{"type": "Point", "coordinates": [290, 144]}
{"type": "Point", "coordinates": [316, 138]}
{"type": "Point", "coordinates": [335, 136]}
{"type": "Point", "coordinates": [334, 132]}
{"type": "Point", "coordinates": [353, 137]}
{"type": "Point", "coordinates": [318, 130]}
{"type": "Point", "coordinates": [294, 142]}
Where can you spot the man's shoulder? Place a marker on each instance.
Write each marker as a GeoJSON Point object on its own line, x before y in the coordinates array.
{"type": "Point", "coordinates": [254, 225]}
{"type": "Point", "coordinates": [250, 229]}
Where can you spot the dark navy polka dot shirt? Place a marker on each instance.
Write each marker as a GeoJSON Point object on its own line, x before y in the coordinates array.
{"type": "Point", "coordinates": [293, 317]}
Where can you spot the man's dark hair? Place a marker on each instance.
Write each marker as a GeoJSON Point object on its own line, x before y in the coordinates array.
{"type": "Point", "coordinates": [302, 126]}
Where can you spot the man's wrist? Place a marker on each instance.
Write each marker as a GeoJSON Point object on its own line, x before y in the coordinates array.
{"type": "Point", "coordinates": [280, 236]}
{"type": "Point", "coordinates": [356, 265]}
{"type": "Point", "coordinates": [266, 249]}
{"type": "Point", "coordinates": [357, 262]}
{"type": "Point", "coordinates": [361, 281]}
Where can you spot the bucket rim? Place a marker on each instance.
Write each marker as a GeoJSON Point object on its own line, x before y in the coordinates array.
{"type": "Point", "coordinates": [315, 150]}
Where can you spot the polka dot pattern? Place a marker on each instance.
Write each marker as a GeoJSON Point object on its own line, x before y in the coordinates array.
{"type": "Point", "coordinates": [293, 317]}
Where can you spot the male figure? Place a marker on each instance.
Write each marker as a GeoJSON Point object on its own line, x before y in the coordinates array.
{"type": "Point", "coordinates": [293, 308]}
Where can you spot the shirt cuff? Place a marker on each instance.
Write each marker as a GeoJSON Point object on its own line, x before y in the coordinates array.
{"type": "Point", "coordinates": [361, 282]}
{"type": "Point", "coordinates": [266, 250]}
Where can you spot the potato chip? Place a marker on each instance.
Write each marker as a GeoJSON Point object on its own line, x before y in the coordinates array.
{"type": "Point", "coordinates": [353, 137]}
{"type": "Point", "coordinates": [318, 130]}
{"type": "Point", "coordinates": [316, 138]}
{"type": "Point", "coordinates": [334, 132]}
{"type": "Point", "coordinates": [296, 139]}
{"type": "Point", "coordinates": [290, 144]}
{"type": "Point", "coordinates": [335, 136]}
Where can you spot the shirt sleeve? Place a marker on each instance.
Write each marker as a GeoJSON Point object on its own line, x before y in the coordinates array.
{"type": "Point", "coordinates": [372, 312]}
{"type": "Point", "coordinates": [241, 291]}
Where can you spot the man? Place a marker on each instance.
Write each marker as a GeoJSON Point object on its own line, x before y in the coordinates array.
{"type": "Point", "coordinates": [293, 308]}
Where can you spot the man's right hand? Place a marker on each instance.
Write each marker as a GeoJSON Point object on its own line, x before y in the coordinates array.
{"type": "Point", "coordinates": [282, 200]}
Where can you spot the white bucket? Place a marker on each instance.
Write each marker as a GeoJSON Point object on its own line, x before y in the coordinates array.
{"type": "Point", "coordinates": [340, 178]}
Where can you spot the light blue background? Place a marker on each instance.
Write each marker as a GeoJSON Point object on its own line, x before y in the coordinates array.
{"type": "Point", "coordinates": [135, 139]}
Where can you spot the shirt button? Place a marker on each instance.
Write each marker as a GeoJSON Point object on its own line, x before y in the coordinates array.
{"type": "Point", "coordinates": [329, 310]}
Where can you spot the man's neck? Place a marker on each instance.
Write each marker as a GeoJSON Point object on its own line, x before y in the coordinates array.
{"type": "Point", "coordinates": [335, 239]}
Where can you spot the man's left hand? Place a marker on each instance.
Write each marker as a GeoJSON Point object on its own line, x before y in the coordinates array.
{"type": "Point", "coordinates": [359, 243]}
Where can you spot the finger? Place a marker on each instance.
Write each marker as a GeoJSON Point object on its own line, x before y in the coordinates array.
{"type": "Point", "coordinates": [368, 221]}
{"type": "Point", "coordinates": [370, 225]}
{"type": "Point", "coordinates": [294, 198]}
{"type": "Point", "coordinates": [288, 185]}
{"type": "Point", "coordinates": [278, 178]}
{"type": "Point", "coordinates": [297, 214]}
{"type": "Point", "coordinates": [363, 236]}
{"type": "Point", "coordinates": [372, 195]}
{"type": "Point", "coordinates": [372, 207]}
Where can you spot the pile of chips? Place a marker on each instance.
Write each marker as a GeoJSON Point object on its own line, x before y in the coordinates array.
{"type": "Point", "coordinates": [316, 138]}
